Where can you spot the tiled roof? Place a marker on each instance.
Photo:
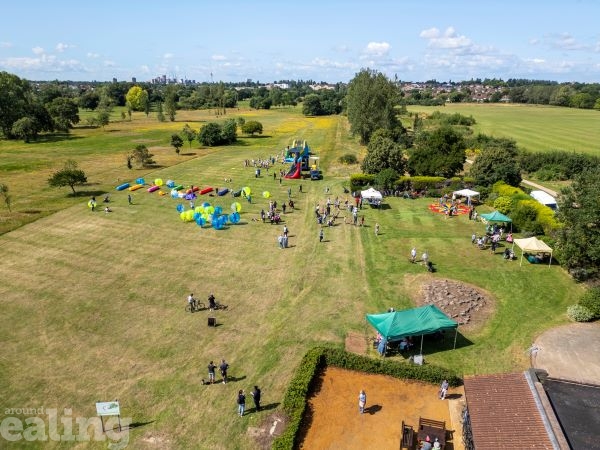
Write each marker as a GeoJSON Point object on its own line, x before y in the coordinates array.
{"type": "Point", "coordinates": [504, 414]}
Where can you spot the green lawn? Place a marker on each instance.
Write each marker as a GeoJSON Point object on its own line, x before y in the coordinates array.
{"type": "Point", "coordinates": [535, 128]}
{"type": "Point", "coordinates": [93, 303]}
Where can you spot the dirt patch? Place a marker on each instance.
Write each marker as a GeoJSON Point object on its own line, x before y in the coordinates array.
{"type": "Point", "coordinates": [469, 305]}
{"type": "Point", "coordinates": [356, 343]}
{"type": "Point", "coordinates": [333, 419]}
{"type": "Point", "coordinates": [268, 430]}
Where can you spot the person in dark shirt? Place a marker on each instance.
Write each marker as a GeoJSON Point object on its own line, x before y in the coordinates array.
{"type": "Point", "coordinates": [223, 368]}
{"type": "Point", "coordinates": [256, 397]}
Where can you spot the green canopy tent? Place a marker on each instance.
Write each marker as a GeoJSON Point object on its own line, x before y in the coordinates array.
{"type": "Point", "coordinates": [427, 319]}
{"type": "Point", "coordinates": [496, 216]}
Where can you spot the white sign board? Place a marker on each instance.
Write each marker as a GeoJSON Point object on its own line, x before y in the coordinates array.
{"type": "Point", "coordinates": [108, 408]}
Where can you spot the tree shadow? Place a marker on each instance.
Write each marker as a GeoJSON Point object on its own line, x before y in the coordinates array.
{"type": "Point", "coordinates": [188, 154]}
{"type": "Point", "coordinates": [57, 137]}
{"type": "Point", "coordinates": [77, 194]}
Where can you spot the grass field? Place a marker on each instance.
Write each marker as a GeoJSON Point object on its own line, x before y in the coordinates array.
{"type": "Point", "coordinates": [93, 303]}
{"type": "Point", "coordinates": [534, 128]}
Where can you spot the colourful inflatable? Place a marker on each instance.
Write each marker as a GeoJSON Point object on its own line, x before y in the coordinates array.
{"type": "Point", "coordinates": [236, 207]}
{"type": "Point", "coordinates": [266, 194]}
{"type": "Point", "coordinates": [135, 187]}
{"type": "Point", "coordinates": [246, 191]}
{"type": "Point", "coordinates": [158, 182]}
{"type": "Point", "coordinates": [161, 193]}
{"type": "Point", "coordinates": [170, 184]}
{"type": "Point", "coordinates": [222, 192]}
{"type": "Point", "coordinates": [122, 187]}
{"type": "Point", "coordinates": [153, 188]}
{"type": "Point", "coordinates": [140, 181]}
{"type": "Point", "coordinates": [206, 190]}
{"type": "Point", "coordinates": [195, 188]}
{"type": "Point", "coordinates": [178, 187]}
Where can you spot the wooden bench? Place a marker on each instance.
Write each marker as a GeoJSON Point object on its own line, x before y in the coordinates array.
{"type": "Point", "coordinates": [433, 429]}
{"type": "Point", "coordinates": [408, 437]}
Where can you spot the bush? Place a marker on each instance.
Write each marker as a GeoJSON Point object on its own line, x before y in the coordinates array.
{"type": "Point", "coordinates": [505, 190]}
{"type": "Point", "coordinates": [348, 158]}
{"type": "Point", "coordinates": [503, 204]}
{"type": "Point", "coordinates": [591, 301]}
{"type": "Point", "coordinates": [360, 180]}
{"type": "Point", "coordinates": [294, 401]}
{"type": "Point", "coordinates": [579, 313]}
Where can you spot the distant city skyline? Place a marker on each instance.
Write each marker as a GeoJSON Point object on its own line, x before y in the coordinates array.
{"type": "Point", "coordinates": [326, 41]}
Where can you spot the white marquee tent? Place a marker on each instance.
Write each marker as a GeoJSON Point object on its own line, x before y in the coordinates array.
{"type": "Point", "coordinates": [533, 245]}
{"type": "Point", "coordinates": [371, 195]}
{"type": "Point", "coordinates": [466, 193]}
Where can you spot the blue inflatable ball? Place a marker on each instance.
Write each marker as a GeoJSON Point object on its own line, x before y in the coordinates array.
{"type": "Point", "coordinates": [218, 210]}
{"type": "Point", "coordinates": [223, 219]}
{"type": "Point", "coordinates": [196, 216]}
{"type": "Point", "coordinates": [180, 208]}
{"type": "Point", "coordinates": [236, 217]}
{"type": "Point", "coordinates": [205, 204]}
{"type": "Point", "coordinates": [200, 221]}
{"type": "Point", "coordinates": [231, 218]}
{"type": "Point", "coordinates": [217, 225]}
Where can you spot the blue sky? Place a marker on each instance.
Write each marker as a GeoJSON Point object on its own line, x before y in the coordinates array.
{"type": "Point", "coordinates": [304, 39]}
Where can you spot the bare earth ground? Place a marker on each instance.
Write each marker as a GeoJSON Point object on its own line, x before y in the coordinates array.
{"type": "Point", "coordinates": [335, 423]}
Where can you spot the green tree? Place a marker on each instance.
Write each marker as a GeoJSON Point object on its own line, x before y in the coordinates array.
{"type": "Point", "coordinates": [5, 195]}
{"type": "Point", "coordinates": [160, 115]}
{"type": "Point", "coordinates": [171, 104]}
{"type": "Point", "coordinates": [65, 113]}
{"type": "Point", "coordinates": [311, 106]}
{"type": "Point", "coordinates": [497, 162]}
{"type": "Point", "coordinates": [578, 243]}
{"type": "Point", "coordinates": [69, 175]}
{"type": "Point", "coordinates": [189, 134]}
{"type": "Point", "coordinates": [371, 102]}
{"type": "Point", "coordinates": [210, 134]}
{"type": "Point", "coordinates": [251, 127]}
{"type": "Point", "coordinates": [141, 156]}
{"type": "Point", "coordinates": [383, 153]}
{"type": "Point", "coordinates": [25, 128]}
{"type": "Point", "coordinates": [89, 100]}
{"type": "Point", "coordinates": [440, 152]}
{"type": "Point", "coordinates": [137, 98]}
{"type": "Point", "coordinates": [229, 131]}
{"type": "Point", "coordinates": [176, 142]}
{"type": "Point", "coordinates": [103, 118]}
{"type": "Point", "coordinates": [15, 97]}
{"type": "Point", "coordinates": [386, 179]}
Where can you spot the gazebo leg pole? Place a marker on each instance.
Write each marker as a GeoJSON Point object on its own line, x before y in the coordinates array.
{"type": "Point", "coordinates": [421, 345]}
{"type": "Point", "coordinates": [455, 335]}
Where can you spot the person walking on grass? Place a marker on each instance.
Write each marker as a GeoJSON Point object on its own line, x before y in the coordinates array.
{"type": "Point", "coordinates": [256, 397]}
{"type": "Point", "coordinates": [376, 229]}
{"type": "Point", "coordinates": [211, 372]}
{"type": "Point", "coordinates": [241, 402]}
{"type": "Point", "coordinates": [362, 401]}
{"type": "Point", "coordinates": [223, 368]}
{"type": "Point", "coordinates": [321, 235]}
{"type": "Point", "coordinates": [413, 255]}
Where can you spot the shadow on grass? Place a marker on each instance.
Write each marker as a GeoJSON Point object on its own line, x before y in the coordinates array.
{"type": "Point", "coordinates": [79, 194]}
{"type": "Point", "coordinates": [188, 154]}
{"type": "Point", "coordinates": [56, 137]}
{"type": "Point", "coordinates": [268, 407]}
{"type": "Point", "coordinates": [137, 425]}
{"type": "Point", "coordinates": [234, 379]}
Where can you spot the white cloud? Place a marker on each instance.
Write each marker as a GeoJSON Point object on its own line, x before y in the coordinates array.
{"type": "Point", "coordinates": [108, 63]}
{"type": "Point", "coordinates": [37, 50]}
{"type": "Point", "coordinates": [377, 49]}
{"type": "Point", "coordinates": [218, 58]}
{"type": "Point", "coordinates": [565, 41]}
{"type": "Point", "coordinates": [6, 44]}
{"type": "Point", "coordinates": [450, 39]}
{"type": "Point", "coordinates": [60, 47]}
{"type": "Point", "coordinates": [168, 55]}
{"type": "Point", "coordinates": [44, 63]}
{"type": "Point", "coordinates": [93, 55]}
{"type": "Point", "coordinates": [145, 69]}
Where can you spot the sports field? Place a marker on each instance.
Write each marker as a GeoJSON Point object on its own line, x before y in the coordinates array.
{"type": "Point", "coordinates": [93, 303]}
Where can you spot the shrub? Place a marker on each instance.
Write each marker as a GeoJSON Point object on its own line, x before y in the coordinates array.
{"type": "Point", "coordinates": [348, 158]}
{"type": "Point", "coordinates": [591, 301]}
{"type": "Point", "coordinates": [579, 313]}
{"type": "Point", "coordinates": [360, 180]}
{"type": "Point", "coordinates": [505, 190]}
{"type": "Point", "coordinates": [503, 204]}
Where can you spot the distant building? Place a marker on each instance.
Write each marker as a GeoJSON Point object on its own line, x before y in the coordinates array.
{"type": "Point", "coordinates": [133, 79]}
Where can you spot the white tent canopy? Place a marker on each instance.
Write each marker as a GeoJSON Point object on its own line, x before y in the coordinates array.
{"type": "Point", "coordinates": [533, 245]}
{"type": "Point", "coordinates": [466, 193]}
{"type": "Point", "coordinates": [373, 196]}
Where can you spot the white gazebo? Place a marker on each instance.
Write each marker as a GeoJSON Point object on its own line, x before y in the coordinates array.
{"type": "Point", "coordinates": [533, 245]}
{"type": "Point", "coordinates": [372, 196]}
{"type": "Point", "coordinates": [466, 193]}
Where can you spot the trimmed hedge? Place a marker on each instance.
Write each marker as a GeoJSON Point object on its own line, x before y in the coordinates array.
{"type": "Point", "coordinates": [294, 402]}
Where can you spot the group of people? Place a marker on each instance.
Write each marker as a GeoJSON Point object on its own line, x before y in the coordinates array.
{"type": "Point", "coordinates": [212, 302]}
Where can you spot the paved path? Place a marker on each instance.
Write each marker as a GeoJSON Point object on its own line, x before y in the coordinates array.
{"type": "Point", "coordinates": [570, 352]}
